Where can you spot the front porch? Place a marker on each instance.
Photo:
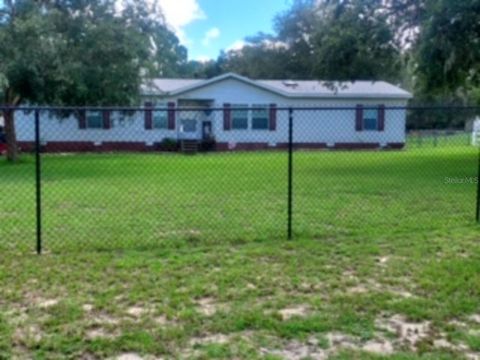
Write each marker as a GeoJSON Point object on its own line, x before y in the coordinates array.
{"type": "Point", "coordinates": [195, 119]}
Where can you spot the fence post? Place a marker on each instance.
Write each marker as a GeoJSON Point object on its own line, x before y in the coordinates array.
{"type": "Point", "coordinates": [290, 172]}
{"type": "Point", "coordinates": [38, 182]}
{"type": "Point", "coordinates": [478, 187]}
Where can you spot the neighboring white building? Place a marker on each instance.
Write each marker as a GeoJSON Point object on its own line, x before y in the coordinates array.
{"type": "Point", "coordinates": [250, 115]}
{"type": "Point", "coordinates": [476, 132]}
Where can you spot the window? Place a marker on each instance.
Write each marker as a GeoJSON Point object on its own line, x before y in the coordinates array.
{"type": "Point", "coordinates": [160, 119]}
{"type": "Point", "coordinates": [240, 117]}
{"type": "Point", "coordinates": [189, 126]}
{"type": "Point", "coordinates": [260, 117]}
{"type": "Point", "coordinates": [94, 120]}
{"type": "Point", "coordinates": [370, 120]}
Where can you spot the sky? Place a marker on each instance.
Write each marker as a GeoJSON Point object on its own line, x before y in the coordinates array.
{"type": "Point", "coordinates": [206, 27]}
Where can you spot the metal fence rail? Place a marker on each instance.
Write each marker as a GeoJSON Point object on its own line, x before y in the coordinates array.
{"type": "Point", "coordinates": [109, 178]}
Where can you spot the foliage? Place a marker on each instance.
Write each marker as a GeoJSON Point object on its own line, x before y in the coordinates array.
{"type": "Point", "coordinates": [87, 52]}
{"type": "Point", "coordinates": [82, 52]}
{"type": "Point", "coordinates": [169, 144]}
{"type": "Point", "coordinates": [352, 43]}
{"type": "Point", "coordinates": [448, 52]}
{"type": "Point", "coordinates": [330, 41]}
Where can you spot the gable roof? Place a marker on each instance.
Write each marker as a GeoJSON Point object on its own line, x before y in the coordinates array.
{"type": "Point", "coordinates": [286, 88]}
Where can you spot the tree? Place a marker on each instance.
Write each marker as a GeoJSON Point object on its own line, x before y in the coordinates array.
{"type": "Point", "coordinates": [262, 57]}
{"type": "Point", "coordinates": [330, 40]}
{"type": "Point", "coordinates": [294, 28]}
{"type": "Point", "coordinates": [203, 69]}
{"type": "Point", "coordinates": [88, 52]}
{"type": "Point", "coordinates": [448, 51]}
{"type": "Point", "coordinates": [353, 41]}
{"type": "Point", "coordinates": [28, 54]}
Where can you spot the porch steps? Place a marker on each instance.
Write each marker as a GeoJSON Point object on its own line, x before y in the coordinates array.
{"type": "Point", "coordinates": [189, 146]}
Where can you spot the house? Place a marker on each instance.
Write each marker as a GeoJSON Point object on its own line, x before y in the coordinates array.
{"type": "Point", "coordinates": [239, 114]}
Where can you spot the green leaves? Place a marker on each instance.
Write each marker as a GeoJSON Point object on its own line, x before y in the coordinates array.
{"type": "Point", "coordinates": [331, 40]}
{"type": "Point", "coordinates": [448, 53]}
{"type": "Point", "coordinates": [83, 52]}
{"type": "Point", "coordinates": [351, 44]}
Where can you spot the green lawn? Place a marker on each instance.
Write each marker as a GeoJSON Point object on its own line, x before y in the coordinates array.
{"type": "Point", "coordinates": [186, 257]}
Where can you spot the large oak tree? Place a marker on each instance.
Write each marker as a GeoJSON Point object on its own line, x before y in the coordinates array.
{"type": "Point", "coordinates": [80, 52]}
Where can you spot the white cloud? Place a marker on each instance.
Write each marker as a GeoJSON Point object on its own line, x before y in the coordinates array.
{"type": "Point", "coordinates": [180, 13]}
{"type": "Point", "coordinates": [274, 44]}
{"type": "Point", "coordinates": [268, 44]}
{"type": "Point", "coordinates": [210, 35]}
{"type": "Point", "coordinates": [237, 45]}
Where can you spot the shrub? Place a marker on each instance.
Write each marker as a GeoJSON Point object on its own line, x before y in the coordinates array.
{"type": "Point", "coordinates": [169, 144]}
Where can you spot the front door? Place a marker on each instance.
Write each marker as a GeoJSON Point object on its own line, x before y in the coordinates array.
{"type": "Point", "coordinates": [207, 130]}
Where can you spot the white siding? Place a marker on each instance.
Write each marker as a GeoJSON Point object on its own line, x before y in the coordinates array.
{"type": "Point", "coordinates": [318, 126]}
{"type": "Point", "coordinates": [53, 129]}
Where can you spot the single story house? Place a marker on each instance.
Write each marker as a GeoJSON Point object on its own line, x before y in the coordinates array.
{"type": "Point", "coordinates": [238, 113]}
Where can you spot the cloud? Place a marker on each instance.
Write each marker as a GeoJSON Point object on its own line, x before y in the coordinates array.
{"type": "Point", "coordinates": [180, 13]}
{"type": "Point", "coordinates": [210, 35]}
{"type": "Point", "coordinates": [237, 45]}
{"type": "Point", "coordinates": [267, 44]}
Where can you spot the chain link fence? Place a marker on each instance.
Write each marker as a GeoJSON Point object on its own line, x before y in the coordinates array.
{"type": "Point", "coordinates": [113, 178]}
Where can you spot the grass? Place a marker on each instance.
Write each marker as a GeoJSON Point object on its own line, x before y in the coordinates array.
{"type": "Point", "coordinates": [186, 257]}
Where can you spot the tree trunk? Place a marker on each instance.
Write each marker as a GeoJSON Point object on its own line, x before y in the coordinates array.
{"type": "Point", "coordinates": [10, 136]}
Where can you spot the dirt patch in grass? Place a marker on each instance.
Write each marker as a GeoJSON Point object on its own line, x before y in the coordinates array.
{"type": "Point", "coordinates": [45, 304]}
{"type": "Point", "coordinates": [371, 285]}
{"type": "Point", "coordinates": [296, 350]}
{"type": "Point", "coordinates": [379, 346]}
{"type": "Point", "coordinates": [137, 311]}
{"type": "Point", "coordinates": [402, 334]}
{"type": "Point", "coordinates": [210, 339]}
{"type": "Point", "coordinates": [194, 350]}
{"type": "Point", "coordinates": [100, 333]}
{"type": "Point", "coordinates": [87, 308]}
{"type": "Point", "coordinates": [135, 356]}
{"type": "Point", "coordinates": [350, 275]}
{"type": "Point", "coordinates": [445, 344]}
{"type": "Point", "coordinates": [358, 289]}
{"type": "Point", "coordinates": [209, 306]}
{"type": "Point", "coordinates": [383, 261]}
{"type": "Point", "coordinates": [408, 333]}
{"type": "Point", "coordinates": [250, 286]}
{"type": "Point", "coordinates": [312, 349]}
{"type": "Point", "coordinates": [341, 341]}
{"type": "Point", "coordinates": [162, 320]}
{"type": "Point", "coordinates": [131, 356]}
{"type": "Point", "coordinates": [294, 311]}
{"type": "Point", "coordinates": [457, 323]}
{"type": "Point", "coordinates": [400, 293]}
{"type": "Point", "coordinates": [27, 334]}
{"type": "Point", "coordinates": [104, 319]}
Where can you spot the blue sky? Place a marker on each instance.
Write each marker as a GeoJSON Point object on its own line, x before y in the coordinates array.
{"type": "Point", "coordinates": [208, 26]}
